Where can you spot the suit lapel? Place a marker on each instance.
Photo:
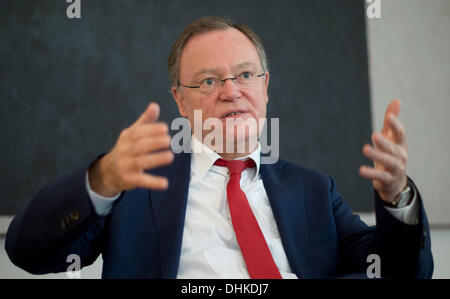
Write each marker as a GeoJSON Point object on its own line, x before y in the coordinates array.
{"type": "Point", "coordinates": [169, 210]}
{"type": "Point", "coordinates": [285, 191]}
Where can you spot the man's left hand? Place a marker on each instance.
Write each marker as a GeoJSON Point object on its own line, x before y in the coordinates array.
{"type": "Point", "coordinates": [390, 155]}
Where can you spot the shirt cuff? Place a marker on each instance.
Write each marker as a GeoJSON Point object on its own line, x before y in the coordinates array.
{"type": "Point", "coordinates": [410, 213]}
{"type": "Point", "coordinates": [102, 204]}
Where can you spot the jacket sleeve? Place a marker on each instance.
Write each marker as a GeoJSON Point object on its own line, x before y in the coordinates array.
{"type": "Point", "coordinates": [404, 250]}
{"type": "Point", "coordinates": [59, 221]}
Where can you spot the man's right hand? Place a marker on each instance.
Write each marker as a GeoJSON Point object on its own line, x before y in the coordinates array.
{"type": "Point", "coordinates": [142, 146]}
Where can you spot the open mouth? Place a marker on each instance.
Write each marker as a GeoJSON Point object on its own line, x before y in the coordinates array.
{"type": "Point", "coordinates": [234, 114]}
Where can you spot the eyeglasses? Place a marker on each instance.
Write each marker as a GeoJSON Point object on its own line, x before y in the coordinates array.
{"type": "Point", "coordinates": [243, 80]}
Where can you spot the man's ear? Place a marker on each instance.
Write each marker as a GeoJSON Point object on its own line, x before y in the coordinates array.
{"type": "Point", "coordinates": [266, 85]}
{"type": "Point", "coordinates": [178, 96]}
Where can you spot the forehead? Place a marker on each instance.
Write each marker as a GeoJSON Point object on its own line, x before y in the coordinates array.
{"type": "Point", "coordinates": [219, 49]}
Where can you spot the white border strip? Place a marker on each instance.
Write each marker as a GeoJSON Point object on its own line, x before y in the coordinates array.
{"type": "Point", "coordinates": [4, 223]}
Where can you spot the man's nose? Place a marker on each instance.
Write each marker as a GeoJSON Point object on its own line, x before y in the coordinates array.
{"type": "Point", "coordinates": [230, 90]}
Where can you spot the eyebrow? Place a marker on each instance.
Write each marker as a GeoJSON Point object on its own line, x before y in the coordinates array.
{"type": "Point", "coordinates": [217, 72]}
{"type": "Point", "coordinates": [206, 71]}
{"type": "Point", "coordinates": [244, 65]}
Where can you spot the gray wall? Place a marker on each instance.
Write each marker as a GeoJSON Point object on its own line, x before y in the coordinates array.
{"type": "Point", "coordinates": [409, 58]}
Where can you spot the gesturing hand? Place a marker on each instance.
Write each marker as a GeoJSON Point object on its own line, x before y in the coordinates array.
{"type": "Point", "coordinates": [390, 155]}
{"type": "Point", "coordinates": [139, 147]}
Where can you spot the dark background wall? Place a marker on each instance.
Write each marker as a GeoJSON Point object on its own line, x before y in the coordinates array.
{"type": "Point", "coordinates": [69, 86]}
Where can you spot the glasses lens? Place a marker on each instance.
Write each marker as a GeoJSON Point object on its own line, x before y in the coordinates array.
{"type": "Point", "coordinates": [244, 80]}
{"type": "Point", "coordinates": [208, 86]}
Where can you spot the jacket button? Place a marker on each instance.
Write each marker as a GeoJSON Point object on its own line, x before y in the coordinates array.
{"type": "Point", "coordinates": [75, 215]}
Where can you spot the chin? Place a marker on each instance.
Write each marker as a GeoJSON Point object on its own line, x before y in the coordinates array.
{"type": "Point", "coordinates": [241, 139]}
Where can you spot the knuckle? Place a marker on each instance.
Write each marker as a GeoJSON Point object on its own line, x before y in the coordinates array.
{"type": "Point", "coordinates": [133, 133]}
{"type": "Point", "coordinates": [387, 178]}
{"type": "Point", "coordinates": [405, 159]}
{"type": "Point", "coordinates": [402, 168]}
{"type": "Point", "coordinates": [403, 155]}
{"type": "Point", "coordinates": [124, 133]}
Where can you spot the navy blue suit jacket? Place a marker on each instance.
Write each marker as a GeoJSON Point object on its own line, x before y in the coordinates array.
{"type": "Point", "coordinates": [142, 236]}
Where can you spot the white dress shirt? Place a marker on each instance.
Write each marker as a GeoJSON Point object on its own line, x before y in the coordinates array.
{"type": "Point", "coordinates": [209, 246]}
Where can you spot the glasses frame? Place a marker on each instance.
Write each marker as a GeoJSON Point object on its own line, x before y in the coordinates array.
{"type": "Point", "coordinates": [222, 82]}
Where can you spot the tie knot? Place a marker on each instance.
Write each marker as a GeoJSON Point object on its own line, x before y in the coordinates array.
{"type": "Point", "coordinates": [235, 166]}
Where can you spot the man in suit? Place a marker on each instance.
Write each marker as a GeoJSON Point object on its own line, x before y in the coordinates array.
{"type": "Point", "coordinates": [221, 214]}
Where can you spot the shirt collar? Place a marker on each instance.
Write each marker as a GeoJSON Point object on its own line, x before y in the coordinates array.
{"type": "Point", "coordinates": [203, 160]}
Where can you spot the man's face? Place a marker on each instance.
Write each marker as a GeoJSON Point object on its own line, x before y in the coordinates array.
{"type": "Point", "coordinates": [222, 54]}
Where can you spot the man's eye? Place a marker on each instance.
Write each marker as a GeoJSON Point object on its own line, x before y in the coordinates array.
{"type": "Point", "coordinates": [208, 82]}
{"type": "Point", "coordinates": [246, 75]}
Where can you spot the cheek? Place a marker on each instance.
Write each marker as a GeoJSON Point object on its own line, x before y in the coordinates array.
{"type": "Point", "coordinates": [210, 106]}
{"type": "Point", "coordinates": [192, 103]}
{"type": "Point", "coordinates": [205, 105]}
{"type": "Point", "coordinates": [258, 101]}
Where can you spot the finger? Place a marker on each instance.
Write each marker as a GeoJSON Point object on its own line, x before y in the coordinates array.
{"type": "Point", "coordinates": [150, 114]}
{"type": "Point", "coordinates": [398, 129]}
{"type": "Point", "coordinates": [151, 144]}
{"type": "Point", "coordinates": [155, 160]}
{"type": "Point", "coordinates": [393, 108]}
{"type": "Point", "coordinates": [375, 174]}
{"type": "Point", "coordinates": [148, 130]}
{"type": "Point", "coordinates": [384, 144]}
{"type": "Point", "coordinates": [388, 161]}
{"type": "Point", "coordinates": [149, 181]}
{"type": "Point", "coordinates": [381, 142]}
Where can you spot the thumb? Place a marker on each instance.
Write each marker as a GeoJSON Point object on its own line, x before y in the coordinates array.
{"type": "Point", "coordinates": [150, 114]}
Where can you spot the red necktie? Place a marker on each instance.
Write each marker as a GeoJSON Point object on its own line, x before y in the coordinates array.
{"type": "Point", "coordinates": [259, 261]}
